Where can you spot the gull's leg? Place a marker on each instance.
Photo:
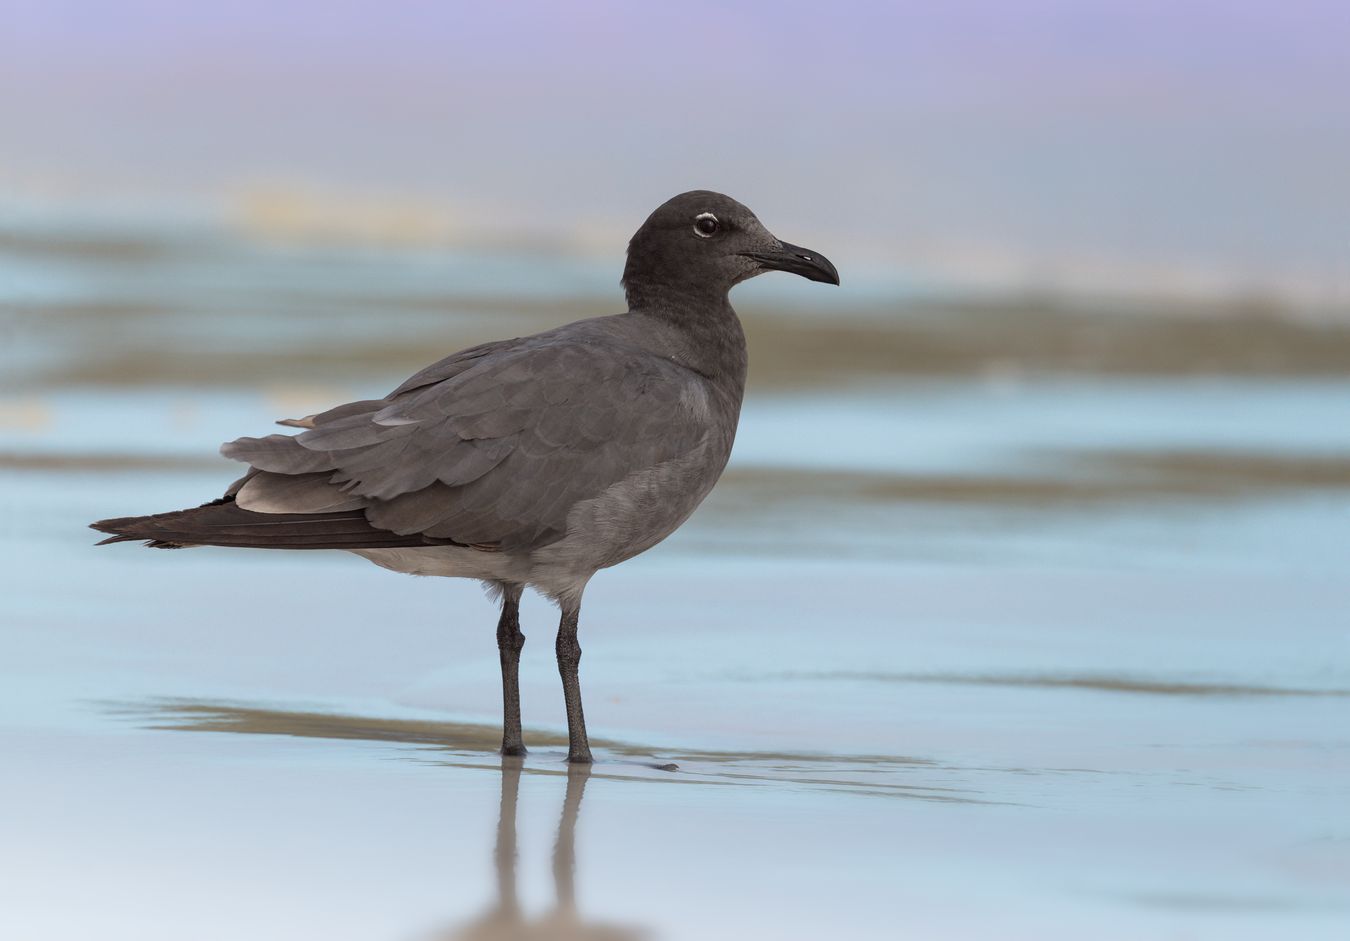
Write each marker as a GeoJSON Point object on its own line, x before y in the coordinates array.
{"type": "Point", "coordinates": [509, 642]}
{"type": "Point", "coordinates": [569, 657]}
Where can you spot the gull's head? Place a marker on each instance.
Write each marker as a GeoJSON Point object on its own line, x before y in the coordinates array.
{"type": "Point", "coordinates": [704, 242]}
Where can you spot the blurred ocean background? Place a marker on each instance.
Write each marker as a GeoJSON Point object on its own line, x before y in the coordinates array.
{"type": "Point", "coordinates": [1021, 611]}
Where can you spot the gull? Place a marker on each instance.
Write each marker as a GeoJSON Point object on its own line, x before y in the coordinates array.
{"type": "Point", "coordinates": [531, 462]}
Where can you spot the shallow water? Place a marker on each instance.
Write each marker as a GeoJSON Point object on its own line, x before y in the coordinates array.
{"type": "Point", "coordinates": [1021, 656]}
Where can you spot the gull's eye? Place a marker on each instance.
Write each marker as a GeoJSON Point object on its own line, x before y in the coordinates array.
{"type": "Point", "coordinates": [706, 225]}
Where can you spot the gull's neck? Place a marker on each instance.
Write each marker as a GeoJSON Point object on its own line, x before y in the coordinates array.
{"type": "Point", "coordinates": [700, 331]}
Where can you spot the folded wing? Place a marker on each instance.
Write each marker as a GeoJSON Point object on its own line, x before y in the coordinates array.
{"type": "Point", "coordinates": [490, 447]}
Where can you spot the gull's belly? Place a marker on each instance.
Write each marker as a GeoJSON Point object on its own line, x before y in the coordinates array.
{"type": "Point", "coordinates": [628, 518]}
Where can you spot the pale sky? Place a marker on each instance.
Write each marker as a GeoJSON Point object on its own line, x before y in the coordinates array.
{"type": "Point", "coordinates": [1035, 139]}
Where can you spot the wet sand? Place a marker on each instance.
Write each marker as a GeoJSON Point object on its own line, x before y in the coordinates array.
{"type": "Point", "coordinates": [889, 712]}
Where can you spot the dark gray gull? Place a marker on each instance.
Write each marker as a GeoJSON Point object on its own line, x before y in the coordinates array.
{"type": "Point", "coordinates": [531, 462]}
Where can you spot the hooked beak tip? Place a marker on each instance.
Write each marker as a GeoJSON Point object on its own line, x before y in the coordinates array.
{"type": "Point", "coordinates": [799, 261]}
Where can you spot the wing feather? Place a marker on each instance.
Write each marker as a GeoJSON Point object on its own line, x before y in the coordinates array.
{"type": "Point", "coordinates": [491, 446]}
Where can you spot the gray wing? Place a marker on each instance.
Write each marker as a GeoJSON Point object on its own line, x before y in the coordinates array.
{"type": "Point", "coordinates": [490, 447]}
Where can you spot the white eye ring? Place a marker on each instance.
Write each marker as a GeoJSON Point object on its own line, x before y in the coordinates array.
{"type": "Point", "coordinates": [701, 223]}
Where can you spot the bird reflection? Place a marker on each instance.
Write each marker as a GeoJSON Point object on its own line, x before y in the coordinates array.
{"type": "Point", "coordinates": [505, 921]}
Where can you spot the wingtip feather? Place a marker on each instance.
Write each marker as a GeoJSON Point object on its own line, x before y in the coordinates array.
{"type": "Point", "coordinates": [112, 539]}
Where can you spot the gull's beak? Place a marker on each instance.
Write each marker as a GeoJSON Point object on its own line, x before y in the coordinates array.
{"type": "Point", "coordinates": [810, 265]}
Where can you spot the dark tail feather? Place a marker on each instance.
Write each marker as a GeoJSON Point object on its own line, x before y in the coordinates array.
{"type": "Point", "coordinates": [223, 523]}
